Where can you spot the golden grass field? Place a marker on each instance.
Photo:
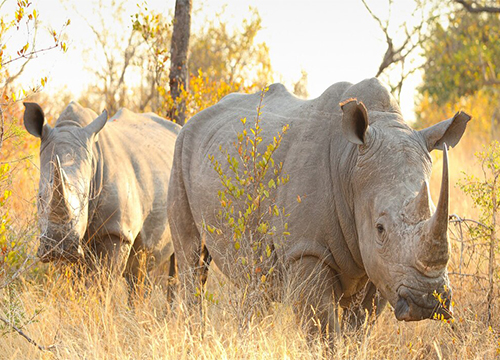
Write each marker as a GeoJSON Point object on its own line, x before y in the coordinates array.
{"type": "Point", "coordinates": [78, 319]}
{"type": "Point", "coordinates": [82, 322]}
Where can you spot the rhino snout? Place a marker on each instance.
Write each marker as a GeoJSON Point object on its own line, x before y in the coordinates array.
{"type": "Point", "coordinates": [52, 250]}
{"type": "Point", "coordinates": [414, 305]}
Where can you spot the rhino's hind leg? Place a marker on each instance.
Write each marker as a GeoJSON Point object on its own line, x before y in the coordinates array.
{"type": "Point", "coordinates": [191, 255]}
{"type": "Point", "coordinates": [192, 264]}
{"type": "Point", "coordinates": [312, 286]}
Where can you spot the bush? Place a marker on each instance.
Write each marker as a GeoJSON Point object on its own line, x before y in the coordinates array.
{"type": "Point", "coordinates": [485, 194]}
{"type": "Point", "coordinates": [249, 214]}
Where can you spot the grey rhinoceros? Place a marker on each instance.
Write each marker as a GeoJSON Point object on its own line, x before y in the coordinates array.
{"type": "Point", "coordinates": [366, 220]}
{"type": "Point", "coordinates": [103, 187]}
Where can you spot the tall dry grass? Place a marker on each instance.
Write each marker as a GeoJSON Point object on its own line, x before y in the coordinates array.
{"type": "Point", "coordinates": [97, 321]}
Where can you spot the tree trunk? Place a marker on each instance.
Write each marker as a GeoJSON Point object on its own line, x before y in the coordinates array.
{"type": "Point", "coordinates": [178, 60]}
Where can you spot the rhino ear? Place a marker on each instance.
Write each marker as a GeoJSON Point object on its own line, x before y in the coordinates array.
{"type": "Point", "coordinates": [448, 131]}
{"type": "Point", "coordinates": [95, 126]}
{"type": "Point", "coordinates": [34, 120]}
{"type": "Point", "coordinates": [354, 121]}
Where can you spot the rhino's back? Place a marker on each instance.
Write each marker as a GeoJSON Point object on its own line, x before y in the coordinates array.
{"type": "Point", "coordinates": [137, 152]}
{"type": "Point", "coordinates": [219, 123]}
{"type": "Point", "coordinates": [304, 151]}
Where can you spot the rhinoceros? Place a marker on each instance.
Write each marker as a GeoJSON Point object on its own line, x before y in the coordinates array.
{"type": "Point", "coordinates": [103, 187]}
{"type": "Point", "coordinates": [366, 225]}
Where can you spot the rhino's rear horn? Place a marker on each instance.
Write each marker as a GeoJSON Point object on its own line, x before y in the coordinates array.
{"type": "Point", "coordinates": [420, 207]}
{"type": "Point", "coordinates": [59, 207]}
{"type": "Point", "coordinates": [436, 248]}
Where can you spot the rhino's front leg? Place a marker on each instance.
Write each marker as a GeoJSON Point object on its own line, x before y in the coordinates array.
{"type": "Point", "coordinates": [370, 303]}
{"type": "Point", "coordinates": [314, 301]}
{"type": "Point", "coordinates": [112, 253]}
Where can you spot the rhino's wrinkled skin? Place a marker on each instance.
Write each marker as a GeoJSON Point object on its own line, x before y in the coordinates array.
{"type": "Point", "coordinates": [366, 219]}
{"type": "Point", "coordinates": [103, 186]}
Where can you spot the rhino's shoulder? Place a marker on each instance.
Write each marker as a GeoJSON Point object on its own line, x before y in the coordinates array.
{"type": "Point", "coordinates": [77, 113]}
{"type": "Point", "coordinates": [272, 93]}
{"type": "Point", "coordinates": [168, 124]}
{"type": "Point", "coordinates": [374, 95]}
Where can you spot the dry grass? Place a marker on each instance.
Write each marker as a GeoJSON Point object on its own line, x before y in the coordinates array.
{"type": "Point", "coordinates": [85, 321]}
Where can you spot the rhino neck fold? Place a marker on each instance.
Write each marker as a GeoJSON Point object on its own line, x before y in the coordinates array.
{"type": "Point", "coordinates": [96, 180]}
{"type": "Point", "coordinates": [342, 164]}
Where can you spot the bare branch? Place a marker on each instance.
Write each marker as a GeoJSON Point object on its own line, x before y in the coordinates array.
{"type": "Point", "coordinates": [474, 7]}
{"type": "Point", "coordinates": [30, 340]}
{"type": "Point", "coordinates": [454, 218]}
{"type": "Point", "coordinates": [467, 275]}
{"type": "Point", "coordinates": [397, 54]}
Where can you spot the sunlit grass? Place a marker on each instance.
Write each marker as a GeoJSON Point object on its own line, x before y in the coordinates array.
{"type": "Point", "coordinates": [97, 321]}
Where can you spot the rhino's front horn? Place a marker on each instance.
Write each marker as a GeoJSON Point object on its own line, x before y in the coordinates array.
{"type": "Point", "coordinates": [59, 207]}
{"type": "Point", "coordinates": [435, 250]}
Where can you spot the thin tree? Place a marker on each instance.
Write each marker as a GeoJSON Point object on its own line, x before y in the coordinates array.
{"type": "Point", "coordinates": [178, 59]}
{"type": "Point", "coordinates": [410, 34]}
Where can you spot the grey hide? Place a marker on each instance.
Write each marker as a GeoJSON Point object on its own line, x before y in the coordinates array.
{"type": "Point", "coordinates": [103, 187]}
{"type": "Point", "coordinates": [366, 220]}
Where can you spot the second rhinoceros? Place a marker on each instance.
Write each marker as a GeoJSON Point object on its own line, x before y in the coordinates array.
{"type": "Point", "coordinates": [103, 187]}
{"type": "Point", "coordinates": [365, 222]}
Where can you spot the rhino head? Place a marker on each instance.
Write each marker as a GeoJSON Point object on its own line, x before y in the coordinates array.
{"type": "Point", "coordinates": [403, 238]}
{"type": "Point", "coordinates": [65, 175]}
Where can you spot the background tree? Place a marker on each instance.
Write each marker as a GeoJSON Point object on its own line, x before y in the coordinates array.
{"type": "Point", "coordinates": [461, 70]}
{"type": "Point", "coordinates": [135, 59]}
{"type": "Point", "coordinates": [403, 39]}
{"type": "Point", "coordinates": [211, 75]}
{"type": "Point", "coordinates": [178, 63]}
{"type": "Point", "coordinates": [462, 58]}
{"type": "Point", "coordinates": [232, 55]}
{"type": "Point", "coordinates": [117, 52]}
{"type": "Point", "coordinates": [300, 86]}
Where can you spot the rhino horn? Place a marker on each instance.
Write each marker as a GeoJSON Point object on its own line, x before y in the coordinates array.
{"type": "Point", "coordinates": [59, 207]}
{"type": "Point", "coordinates": [436, 248]}
{"type": "Point", "coordinates": [420, 207]}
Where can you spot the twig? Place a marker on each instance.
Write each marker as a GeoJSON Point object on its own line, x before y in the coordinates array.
{"type": "Point", "coordinates": [468, 275]}
{"type": "Point", "coordinates": [473, 7]}
{"type": "Point", "coordinates": [31, 54]}
{"type": "Point", "coordinates": [458, 219]}
{"type": "Point", "coordinates": [30, 340]}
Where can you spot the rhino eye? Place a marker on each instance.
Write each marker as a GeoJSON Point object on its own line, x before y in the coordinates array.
{"type": "Point", "coordinates": [380, 229]}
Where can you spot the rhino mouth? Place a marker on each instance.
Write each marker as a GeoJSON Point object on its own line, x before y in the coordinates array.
{"type": "Point", "coordinates": [415, 305]}
{"type": "Point", "coordinates": [52, 251]}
